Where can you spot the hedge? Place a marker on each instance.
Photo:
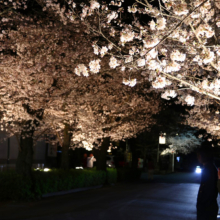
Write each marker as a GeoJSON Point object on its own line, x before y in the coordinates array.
{"type": "Point", "coordinates": [59, 180]}
{"type": "Point", "coordinates": [111, 176]}
{"type": "Point", "coordinates": [16, 187]}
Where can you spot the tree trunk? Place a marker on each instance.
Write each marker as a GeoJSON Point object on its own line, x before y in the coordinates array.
{"type": "Point", "coordinates": [25, 155]}
{"type": "Point", "coordinates": [135, 155]}
{"type": "Point", "coordinates": [65, 148]}
{"type": "Point", "coordinates": [101, 153]}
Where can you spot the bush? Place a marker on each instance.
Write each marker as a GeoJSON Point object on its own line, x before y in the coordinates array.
{"type": "Point", "coordinates": [45, 182]}
{"type": "Point", "coordinates": [14, 186]}
{"type": "Point", "coordinates": [60, 180]}
{"type": "Point", "coordinates": [93, 180]}
{"type": "Point", "coordinates": [111, 175]}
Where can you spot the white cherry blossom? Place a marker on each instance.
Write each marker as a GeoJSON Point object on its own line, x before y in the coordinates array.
{"type": "Point", "coordinates": [169, 93]}
{"type": "Point", "coordinates": [111, 16]}
{"type": "Point", "coordinates": [176, 55]}
{"type": "Point", "coordinates": [96, 49]}
{"type": "Point", "coordinates": [113, 63]}
{"type": "Point", "coordinates": [172, 67]}
{"type": "Point", "coordinates": [94, 66]}
{"type": "Point", "coordinates": [129, 82]}
{"type": "Point", "coordinates": [128, 59]}
{"type": "Point", "coordinates": [81, 69]}
{"type": "Point", "coordinates": [190, 100]}
{"type": "Point", "coordinates": [94, 5]}
{"type": "Point", "coordinates": [141, 62]}
{"type": "Point", "coordinates": [159, 83]}
{"type": "Point", "coordinates": [152, 25]}
{"type": "Point", "coordinates": [126, 36]}
{"type": "Point", "coordinates": [151, 42]}
{"type": "Point", "coordinates": [161, 23]}
{"type": "Point", "coordinates": [180, 9]}
{"type": "Point", "coordinates": [103, 51]}
{"type": "Point", "coordinates": [208, 57]}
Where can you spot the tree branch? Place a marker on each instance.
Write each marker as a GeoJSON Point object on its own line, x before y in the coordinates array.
{"type": "Point", "coordinates": [191, 86]}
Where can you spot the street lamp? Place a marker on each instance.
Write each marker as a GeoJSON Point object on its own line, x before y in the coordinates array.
{"type": "Point", "coordinates": [162, 140]}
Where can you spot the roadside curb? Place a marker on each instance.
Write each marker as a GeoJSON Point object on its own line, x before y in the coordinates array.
{"type": "Point", "coordinates": [70, 191]}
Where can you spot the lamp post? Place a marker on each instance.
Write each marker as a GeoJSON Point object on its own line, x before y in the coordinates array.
{"type": "Point", "coordinates": [172, 161]}
{"type": "Point", "coordinates": [172, 168]}
{"type": "Point", "coordinates": [162, 140]}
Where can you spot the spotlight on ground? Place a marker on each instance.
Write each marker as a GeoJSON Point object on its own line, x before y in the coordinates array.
{"type": "Point", "coordinates": [46, 169]}
{"type": "Point", "coordinates": [79, 168]}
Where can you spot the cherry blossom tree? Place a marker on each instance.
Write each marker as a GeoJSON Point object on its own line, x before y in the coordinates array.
{"type": "Point", "coordinates": [101, 114]}
{"type": "Point", "coordinates": [38, 56]}
{"type": "Point", "coordinates": [182, 143]}
{"type": "Point", "coordinates": [206, 118]}
{"type": "Point", "coordinates": [177, 50]}
{"type": "Point", "coordinates": [42, 92]}
{"type": "Point", "coordinates": [86, 66]}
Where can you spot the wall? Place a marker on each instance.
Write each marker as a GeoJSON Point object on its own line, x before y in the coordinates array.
{"type": "Point", "coordinates": [9, 149]}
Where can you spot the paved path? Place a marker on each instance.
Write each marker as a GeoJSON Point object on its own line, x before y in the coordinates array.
{"type": "Point", "coordinates": [175, 178]}
{"type": "Point", "coordinates": [125, 201]}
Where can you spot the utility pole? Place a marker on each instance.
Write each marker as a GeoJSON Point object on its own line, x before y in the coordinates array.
{"type": "Point", "coordinates": [8, 153]}
{"type": "Point", "coordinates": [158, 153]}
{"type": "Point", "coordinates": [172, 161]}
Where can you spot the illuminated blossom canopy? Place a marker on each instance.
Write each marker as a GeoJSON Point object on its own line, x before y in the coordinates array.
{"type": "Point", "coordinates": [45, 86]}
{"type": "Point", "coordinates": [45, 57]}
{"type": "Point", "coordinates": [179, 47]}
{"type": "Point", "coordinates": [177, 50]}
{"type": "Point", "coordinates": [182, 143]}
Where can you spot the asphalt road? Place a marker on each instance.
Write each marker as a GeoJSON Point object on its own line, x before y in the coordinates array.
{"type": "Point", "coordinates": [142, 200]}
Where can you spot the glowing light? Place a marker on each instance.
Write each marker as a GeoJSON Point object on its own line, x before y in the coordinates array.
{"type": "Point", "coordinates": [162, 140]}
{"type": "Point", "coordinates": [46, 169]}
{"type": "Point", "coordinates": [198, 169]}
{"type": "Point", "coordinates": [79, 168]}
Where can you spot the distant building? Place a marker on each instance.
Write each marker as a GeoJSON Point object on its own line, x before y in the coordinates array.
{"type": "Point", "coordinates": [43, 153]}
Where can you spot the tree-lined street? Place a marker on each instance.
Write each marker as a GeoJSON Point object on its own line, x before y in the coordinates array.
{"type": "Point", "coordinates": [82, 73]}
{"type": "Point", "coordinates": [136, 84]}
{"type": "Point", "coordinates": [126, 201]}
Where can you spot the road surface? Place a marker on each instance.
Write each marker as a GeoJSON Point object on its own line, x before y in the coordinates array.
{"type": "Point", "coordinates": [161, 199]}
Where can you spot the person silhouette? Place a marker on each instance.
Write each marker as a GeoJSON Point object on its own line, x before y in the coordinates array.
{"type": "Point", "coordinates": [207, 206]}
{"type": "Point", "coordinates": [90, 161]}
